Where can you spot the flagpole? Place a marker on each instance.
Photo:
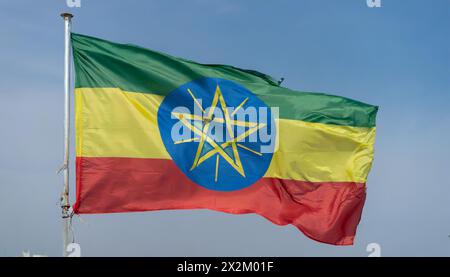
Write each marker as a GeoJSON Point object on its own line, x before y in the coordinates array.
{"type": "Point", "coordinates": [65, 204]}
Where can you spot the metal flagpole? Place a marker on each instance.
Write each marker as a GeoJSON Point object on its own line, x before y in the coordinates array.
{"type": "Point", "coordinates": [65, 205]}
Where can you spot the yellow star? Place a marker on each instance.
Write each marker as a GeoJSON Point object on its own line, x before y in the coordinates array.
{"type": "Point", "coordinates": [218, 149]}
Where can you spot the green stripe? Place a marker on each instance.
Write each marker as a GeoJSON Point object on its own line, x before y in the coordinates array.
{"type": "Point", "coordinates": [100, 63]}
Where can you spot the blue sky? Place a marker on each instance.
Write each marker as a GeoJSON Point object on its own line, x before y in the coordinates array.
{"type": "Point", "coordinates": [396, 56]}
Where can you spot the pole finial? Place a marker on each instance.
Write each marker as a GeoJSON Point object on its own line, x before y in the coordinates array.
{"type": "Point", "coordinates": [66, 15]}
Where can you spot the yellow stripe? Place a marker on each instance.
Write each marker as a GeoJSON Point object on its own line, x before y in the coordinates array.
{"type": "Point", "coordinates": [319, 152]}
{"type": "Point", "coordinates": [115, 123]}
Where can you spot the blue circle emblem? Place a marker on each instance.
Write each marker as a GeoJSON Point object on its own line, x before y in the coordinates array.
{"type": "Point", "coordinates": [218, 133]}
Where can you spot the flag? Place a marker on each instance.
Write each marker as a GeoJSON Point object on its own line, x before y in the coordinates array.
{"type": "Point", "coordinates": [156, 132]}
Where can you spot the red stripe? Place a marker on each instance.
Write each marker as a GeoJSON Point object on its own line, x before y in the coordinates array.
{"type": "Point", "coordinates": [326, 212]}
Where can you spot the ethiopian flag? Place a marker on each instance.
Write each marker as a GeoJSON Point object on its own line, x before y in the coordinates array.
{"type": "Point", "coordinates": [156, 132]}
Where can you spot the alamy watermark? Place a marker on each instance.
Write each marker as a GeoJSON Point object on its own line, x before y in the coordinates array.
{"type": "Point", "coordinates": [374, 249]}
{"type": "Point", "coordinates": [73, 3]}
{"type": "Point", "coordinates": [73, 250]}
{"type": "Point", "coordinates": [373, 3]}
{"type": "Point", "coordinates": [77, 3]}
{"type": "Point", "coordinates": [229, 125]}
